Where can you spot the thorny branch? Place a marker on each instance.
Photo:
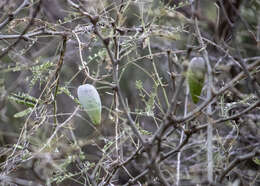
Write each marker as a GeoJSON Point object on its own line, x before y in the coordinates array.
{"type": "Point", "coordinates": [31, 22]}
{"type": "Point", "coordinates": [238, 160]}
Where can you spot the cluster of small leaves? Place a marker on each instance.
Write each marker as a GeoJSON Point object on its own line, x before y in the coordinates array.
{"type": "Point", "coordinates": [66, 91]}
{"type": "Point", "coordinates": [24, 99]}
{"type": "Point", "coordinates": [40, 73]}
{"type": "Point", "coordinates": [142, 131]}
{"type": "Point", "coordinates": [96, 57]}
{"type": "Point", "coordinates": [62, 173]}
{"type": "Point", "coordinates": [149, 104]}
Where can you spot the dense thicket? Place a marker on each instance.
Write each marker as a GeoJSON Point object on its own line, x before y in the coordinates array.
{"type": "Point", "coordinates": [137, 54]}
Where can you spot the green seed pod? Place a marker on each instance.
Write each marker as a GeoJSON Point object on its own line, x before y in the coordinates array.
{"type": "Point", "coordinates": [90, 100]}
{"type": "Point", "coordinates": [196, 76]}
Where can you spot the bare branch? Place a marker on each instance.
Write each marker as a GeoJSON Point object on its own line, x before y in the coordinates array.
{"type": "Point", "coordinates": [14, 13]}
{"type": "Point", "coordinates": [237, 161]}
{"type": "Point", "coordinates": [36, 11]}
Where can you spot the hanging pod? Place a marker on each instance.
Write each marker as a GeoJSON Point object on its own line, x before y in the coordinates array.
{"type": "Point", "coordinates": [90, 100]}
{"type": "Point", "coordinates": [196, 77]}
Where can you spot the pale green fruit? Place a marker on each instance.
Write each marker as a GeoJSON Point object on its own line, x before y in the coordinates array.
{"type": "Point", "coordinates": [196, 76]}
{"type": "Point", "coordinates": [90, 100]}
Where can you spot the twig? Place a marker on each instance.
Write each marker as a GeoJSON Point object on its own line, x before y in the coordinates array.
{"type": "Point", "coordinates": [242, 20]}
{"type": "Point", "coordinates": [132, 181]}
{"type": "Point", "coordinates": [13, 14]}
{"type": "Point", "coordinates": [36, 11]}
{"type": "Point", "coordinates": [171, 71]}
{"type": "Point", "coordinates": [58, 128]}
{"type": "Point", "coordinates": [105, 41]}
{"type": "Point", "coordinates": [251, 107]}
{"type": "Point", "coordinates": [178, 149]}
{"type": "Point", "coordinates": [164, 126]}
{"type": "Point", "coordinates": [225, 13]}
{"type": "Point", "coordinates": [86, 70]}
{"type": "Point", "coordinates": [160, 175]}
{"type": "Point", "coordinates": [8, 179]}
{"type": "Point", "coordinates": [182, 136]}
{"type": "Point", "coordinates": [210, 88]}
{"type": "Point", "coordinates": [237, 161]}
{"type": "Point", "coordinates": [57, 76]}
{"type": "Point", "coordinates": [119, 150]}
{"type": "Point", "coordinates": [135, 154]}
{"type": "Point", "coordinates": [28, 36]}
{"type": "Point", "coordinates": [258, 29]}
{"type": "Point", "coordinates": [191, 115]}
{"type": "Point", "coordinates": [252, 83]}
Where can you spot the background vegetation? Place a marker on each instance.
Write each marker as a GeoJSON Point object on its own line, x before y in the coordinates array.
{"type": "Point", "coordinates": [136, 54]}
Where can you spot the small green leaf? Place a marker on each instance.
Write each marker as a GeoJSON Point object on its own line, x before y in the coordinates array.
{"type": "Point", "coordinates": [142, 131]}
{"type": "Point", "coordinates": [23, 113]}
{"type": "Point", "coordinates": [66, 91]}
{"type": "Point", "coordinates": [139, 84]}
{"type": "Point", "coordinates": [24, 99]}
{"type": "Point", "coordinates": [256, 160]}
